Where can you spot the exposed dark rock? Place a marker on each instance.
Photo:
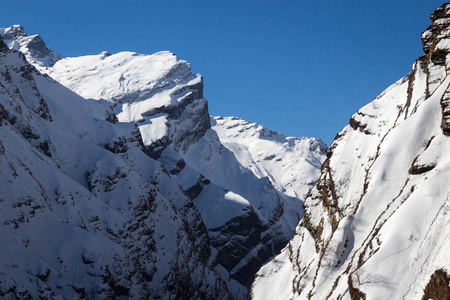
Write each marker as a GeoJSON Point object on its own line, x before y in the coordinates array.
{"type": "Point", "coordinates": [198, 116]}
{"type": "Point", "coordinates": [44, 276]}
{"type": "Point", "coordinates": [196, 89]}
{"type": "Point", "coordinates": [90, 181]}
{"type": "Point", "coordinates": [356, 125]}
{"type": "Point", "coordinates": [110, 280]}
{"type": "Point", "coordinates": [435, 52]}
{"type": "Point", "coordinates": [43, 109]}
{"type": "Point", "coordinates": [439, 13]}
{"type": "Point", "coordinates": [190, 108]}
{"type": "Point", "coordinates": [4, 115]}
{"type": "Point", "coordinates": [156, 148]}
{"type": "Point", "coordinates": [6, 75]}
{"type": "Point", "coordinates": [420, 169]}
{"type": "Point", "coordinates": [111, 117]}
{"type": "Point", "coordinates": [136, 137]}
{"type": "Point", "coordinates": [86, 260]}
{"type": "Point", "coordinates": [26, 71]}
{"type": "Point", "coordinates": [438, 57]}
{"type": "Point", "coordinates": [355, 294]}
{"type": "Point", "coordinates": [44, 147]}
{"type": "Point", "coordinates": [180, 165]}
{"type": "Point", "coordinates": [411, 80]}
{"type": "Point", "coordinates": [445, 108]}
{"type": "Point", "coordinates": [245, 275]}
{"type": "Point", "coordinates": [38, 46]}
{"type": "Point", "coordinates": [429, 40]}
{"type": "Point", "coordinates": [175, 110]}
{"type": "Point", "coordinates": [234, 241]}
{"type": "Point", "coordinates": [118, 146]}
{"type": "Point", "coordinates": [438, 287]}
{"type": "Point", "coordinates": [278, 212]}
{"type": "Point", "coordinates": [196, 231]}
{"type": "Point", "coordinates": [270, 157]}
{"type": "Point", "coordinates": [29, 133]}
{"type": "Point", "coordinates": [3, 47]}
{"type": "Point", "coordinates": [197, 188]}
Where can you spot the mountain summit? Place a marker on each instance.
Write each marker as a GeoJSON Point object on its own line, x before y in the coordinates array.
{"type": "Point", "coordinates": [34, 48]}
{"type": "Point", "coordinates": [376, 224]}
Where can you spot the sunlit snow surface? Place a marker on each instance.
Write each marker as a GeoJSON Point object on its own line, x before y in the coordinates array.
{"type": "Point", "coordinates": [142, 186]}
{"type": "Point", "coordinates": [252, 157]}
{"type": "Point", "coordinates": [290, 163]}
{"type": "Point", "coordinates": [386, 227]}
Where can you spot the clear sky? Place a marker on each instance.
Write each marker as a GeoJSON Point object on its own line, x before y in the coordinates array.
{"type": "Point", "coordinates": [301, 67]}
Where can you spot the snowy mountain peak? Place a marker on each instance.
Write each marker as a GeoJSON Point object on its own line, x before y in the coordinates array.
{"type": "Point", "coordinates": [127, 76]}
{"type": "Point", "coordinates": [435, 37]}
{"type": "Point", "coordinates": [270, 154]}
{"type": "Point", "coordinates": [34, 47]}
{"type": "Point", "coordinates": [146, 89]}
{"type": "Point", "coordinates": [135, 189]}
{"type": "Point", "coordinates": [13, 32]}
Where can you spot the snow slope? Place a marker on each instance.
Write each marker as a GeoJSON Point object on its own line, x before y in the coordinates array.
{"type": "Point", "coordinates": [151, 90]}
{"type": "Point", "coordinates": [376, 223]}
{"type": "Point", "coordinates": [290, 163]}
{"type": "Point", "coordinates": [84, 212]}
{"type": "Point", "coordinates": [187, 213]}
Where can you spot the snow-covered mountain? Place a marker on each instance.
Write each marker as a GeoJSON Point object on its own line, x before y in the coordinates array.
{"type": "Point", "coordinates": [376, 225]}
{"type": "Point", "coordinates": [129, 191]}
{"type": "Point", "coordinates": [34, 48]}
{"type": "Point", "coordinates": [290, 163]}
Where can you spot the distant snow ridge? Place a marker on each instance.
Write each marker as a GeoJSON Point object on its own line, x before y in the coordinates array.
{"type": "Point", "coordinates": [135, 191]}
{"type": "Point", "coordinates": [376, 224]}
{"type": "Point", "coordinates": [270, 154]}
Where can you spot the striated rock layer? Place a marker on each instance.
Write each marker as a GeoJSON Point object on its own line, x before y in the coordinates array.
{"type": "Point", "coordinates": [376, 225]}
{"type": "Point", "coordinates": [133, 190]}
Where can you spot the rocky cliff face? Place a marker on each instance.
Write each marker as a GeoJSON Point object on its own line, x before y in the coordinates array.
{"type": "Point", "coordinates": [131, 192]}
{"type": "Point", "coordinates": [376, 223]}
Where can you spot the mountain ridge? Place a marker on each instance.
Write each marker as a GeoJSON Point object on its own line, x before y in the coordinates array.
{"type": "Point", "coordinates": [174, 212]}
{"type": "Point", "coordinates": [375, 224]}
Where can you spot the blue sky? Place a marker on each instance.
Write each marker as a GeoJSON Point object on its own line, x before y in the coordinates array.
{"type": "Point", "coordinates": [300, 67]}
